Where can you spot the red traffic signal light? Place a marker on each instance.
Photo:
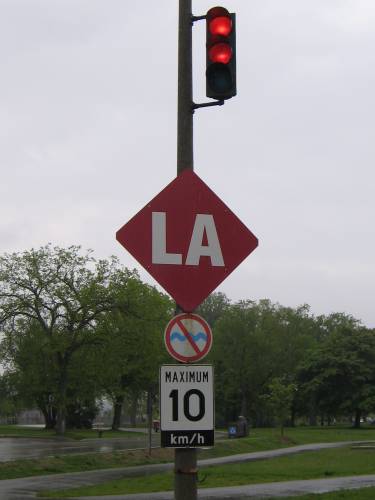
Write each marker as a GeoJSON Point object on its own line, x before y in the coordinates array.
{"type": "Point", "coordinates": [220, 54]}
{"type": "Point", "coordinates": [221, 24]}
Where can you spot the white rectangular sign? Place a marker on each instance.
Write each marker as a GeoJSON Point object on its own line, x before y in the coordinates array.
{"type": "Point", "coordinates": [186, 405]}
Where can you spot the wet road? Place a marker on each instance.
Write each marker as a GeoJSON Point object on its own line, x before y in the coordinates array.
{"type": "Point", "coordinates": [20, 448]}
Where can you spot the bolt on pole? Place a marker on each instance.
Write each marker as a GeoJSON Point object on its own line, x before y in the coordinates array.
{"type": "Point", "coordinates": [185, 484]}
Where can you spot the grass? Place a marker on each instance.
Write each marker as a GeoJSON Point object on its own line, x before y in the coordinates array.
{"type": "Point", "coordinates": [259, 440]}
{"type": "Point", "coordinates": [269, 439]}
{"type": "Point", "coordinates": [79, 463]}
{"type": "Point", "coordinates": [77, 434]}
{"type": "Point", "coordinates": [309, 465]}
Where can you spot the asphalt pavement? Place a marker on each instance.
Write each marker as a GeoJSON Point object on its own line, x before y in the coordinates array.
{"type": "Point", "coordinates": [24, 448]}
{"type": "Point", "coordinates": [26, 488]}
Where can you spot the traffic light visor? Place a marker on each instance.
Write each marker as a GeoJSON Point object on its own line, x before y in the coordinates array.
{"type": "Point", "coordinates": [217, 12]}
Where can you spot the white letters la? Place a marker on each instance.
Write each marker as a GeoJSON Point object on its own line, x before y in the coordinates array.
{"type": "Point", "coordinates": [204, 222]}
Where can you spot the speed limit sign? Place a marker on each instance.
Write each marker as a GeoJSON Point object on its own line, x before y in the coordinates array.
{"type": "Point", "coordinates": [186, 406]}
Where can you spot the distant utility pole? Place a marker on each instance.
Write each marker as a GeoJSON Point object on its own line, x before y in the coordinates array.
{"type": "Point", "coordinates": [185, 485]}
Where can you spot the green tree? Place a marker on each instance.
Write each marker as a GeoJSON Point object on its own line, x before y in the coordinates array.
{"type": "Point", "coordinates": [339, 374]}
{"type": "Point", "coordinates": [31, 365]}
{"type": "Point", "coordinates": [297, 331]}
{"type": "Point", "coordinates": [133, 348]}
{"type": "Point", "coordinates": [214, 307]}
{"type": "Point", "coordinates": [65, 293]}
{"type": "Point", "coordinates": [279, 400]}
{"type": "Point", "coordinates": [255, 343]}
{"type": "Point", "coordinates": [241, 361]}
{"type": "Point", "coordinates": [10, 402]}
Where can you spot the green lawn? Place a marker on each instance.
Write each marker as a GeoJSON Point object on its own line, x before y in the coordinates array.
{"type": "Point", "coordinates": [309, 465]}
{"type": "Point", "coordinates": [259, 440]}
{"type": "Point", "coordinates": [269, 439]}
{"type": "Point", "coordinates": [79, 463]}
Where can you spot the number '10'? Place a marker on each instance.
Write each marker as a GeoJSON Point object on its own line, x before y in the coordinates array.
{"type": "Point", "coordinates": [188, 415]}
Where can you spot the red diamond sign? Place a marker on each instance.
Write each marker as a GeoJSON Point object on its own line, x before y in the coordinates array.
{"type": "Point", "coordinates": [187, 239]}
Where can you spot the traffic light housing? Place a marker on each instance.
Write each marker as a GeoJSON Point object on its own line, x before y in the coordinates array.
{"type": "Point", "coordinates": [220, 54]}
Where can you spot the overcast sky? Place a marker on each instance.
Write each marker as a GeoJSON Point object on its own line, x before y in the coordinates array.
{"type": "Point", "coordinates": [88, 99]}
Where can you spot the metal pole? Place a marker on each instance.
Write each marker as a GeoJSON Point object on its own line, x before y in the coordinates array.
{"type": "Point", "coordinates": [185, 89]}
{"type": "Point", "coordinates": [185, 483]}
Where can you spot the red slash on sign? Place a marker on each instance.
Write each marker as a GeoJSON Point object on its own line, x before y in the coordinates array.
{"type": "Point", "coordinates": [188, 338]}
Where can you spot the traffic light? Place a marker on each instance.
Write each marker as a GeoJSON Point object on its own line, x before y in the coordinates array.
{"type": "Point", "coordinates": [220, 54]}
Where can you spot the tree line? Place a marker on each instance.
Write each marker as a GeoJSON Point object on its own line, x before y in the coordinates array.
{"type": "Point", "coordinates": [76, 329]}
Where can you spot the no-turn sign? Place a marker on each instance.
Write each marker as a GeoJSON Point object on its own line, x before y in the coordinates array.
{"type": "Point", "coordinates": [188, 338]}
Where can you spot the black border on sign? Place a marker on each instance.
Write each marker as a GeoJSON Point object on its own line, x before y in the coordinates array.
{"type": "Point", "coordinates": [184, 432]}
